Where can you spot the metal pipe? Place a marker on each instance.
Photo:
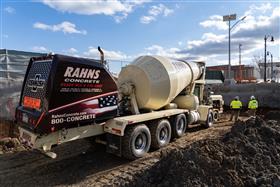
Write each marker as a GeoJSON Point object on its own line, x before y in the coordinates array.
{"type": "Point", "coordinates": [101, 55]}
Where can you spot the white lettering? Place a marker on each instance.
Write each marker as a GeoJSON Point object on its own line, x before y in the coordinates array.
{"type": "Point", "coordinates": [76, 73]}
{"type": "Point", "coordinates": [71, 72]}
{"type": "Point", "coordinates": [97, 72]}
{"type": "Point", "coordinates": [83, 73]}
{"type": "Point", "coordinates": [90, 74]}
{"type": "Point", "coordinates": [68, 72]}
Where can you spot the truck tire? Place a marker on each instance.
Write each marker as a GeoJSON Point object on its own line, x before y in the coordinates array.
{"type": "Point", "coordinates": [210, 119]}
{"type": "Point", "coordinates": [179, 126]}
{"type": "Point", "coordinates": [160, 133]}
{"type": "Point", "coordinates": [136, 141]}
{"type": "Point", "coordinates": [215, 115]}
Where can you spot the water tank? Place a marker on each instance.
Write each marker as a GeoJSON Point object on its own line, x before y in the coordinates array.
{"type": "Point", "coordinates": [158, 80]}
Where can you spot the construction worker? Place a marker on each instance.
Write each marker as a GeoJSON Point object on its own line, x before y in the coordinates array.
{"type": "Point", "coordinates": [236, 106]}
{"type": "Point", "coordinates": [253, 106]}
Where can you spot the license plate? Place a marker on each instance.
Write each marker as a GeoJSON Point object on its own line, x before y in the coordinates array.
{"type": "Point", "coordinates": [25, 118]}
{"type": "Point", "coordinates": [26, 137]}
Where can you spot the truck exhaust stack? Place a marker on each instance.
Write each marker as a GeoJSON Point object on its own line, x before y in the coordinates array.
{"type": "Point", "coordinates": [101, 55]}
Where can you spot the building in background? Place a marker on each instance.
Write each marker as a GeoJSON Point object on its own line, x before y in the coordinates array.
{"type": "Point", "coordinates": [214, 77]}
{"type": "Point", "coordinates": [275, 73]}
{"type": "Point", "coordinates": [240, 73]}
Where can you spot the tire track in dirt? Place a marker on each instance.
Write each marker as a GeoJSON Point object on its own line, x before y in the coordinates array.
{"type": "Point", "coordinates": [81, 164]}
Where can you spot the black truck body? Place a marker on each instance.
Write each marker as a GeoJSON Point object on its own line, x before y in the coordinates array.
{"type": "Point", "coordinates": [64, 92]}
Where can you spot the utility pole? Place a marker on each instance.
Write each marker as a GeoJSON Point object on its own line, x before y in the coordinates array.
{"type": "Point", "coordinates": [229, 18]}
{"type": "Point", "coordinates": [240, 70]}
{"type": "Point", "coordinates": [271, 59]}
{"type": "Point", "coordinates": [271, 64]}
{"type": "Point", "coordinates": [272, 40]}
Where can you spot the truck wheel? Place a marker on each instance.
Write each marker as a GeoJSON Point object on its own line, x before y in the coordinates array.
{"type": "Point", "coordinates": [179, 126]}
{"type": "Point", "coordinates": [210, 119]}
{"type": "Point", "coordinates": [160, 133]}
{"type": "Point", "coordinates": [136, 141]}
{"type": "Point", "coordinates": [216, 116]}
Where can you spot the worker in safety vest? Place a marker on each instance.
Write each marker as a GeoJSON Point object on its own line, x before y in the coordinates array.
{"type": "Point", "coordinates": [253, 106]}
{"type": "Point", "coordinates": [235, 106]}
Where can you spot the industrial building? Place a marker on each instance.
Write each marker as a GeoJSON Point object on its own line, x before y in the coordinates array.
{"type": "Point", "coordinates": [238, 72]}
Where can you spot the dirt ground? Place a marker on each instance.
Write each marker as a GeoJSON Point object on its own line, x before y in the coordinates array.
{"type": "Point", "coordinates": [246, 155]}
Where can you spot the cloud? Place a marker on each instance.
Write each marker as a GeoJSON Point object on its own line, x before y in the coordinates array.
{"type": "Point", "coordinates": [263, 8]}
{"type": "Point", "coordinates": [215, 21]}
{"type": "Point", "coordinates": [109, 55]}
{"type": "Point", "coordinates": [71, 50]}
{"type": "Point", "coordinates": [116, 8]}
{"type": "Point", "coordinates": [40, 49]}
{"type": "Point", "coordinates": [250, 33]}
{"type": "Point", "coordinates": [154, 12]}
{"type": "Point", "coordinates": [66, 27]}
{"type": "Point", "coordinates": [161, 51]}
{"type": "Point", "coordinates": [180, 43]}
{"type": "Point", "coordinates": [10, 10]}
{"type": "Point", "coordinates": [147, 19]}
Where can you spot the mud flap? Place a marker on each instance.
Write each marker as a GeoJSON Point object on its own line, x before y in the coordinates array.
{"type": "Point", "coordinates": [113, 145]}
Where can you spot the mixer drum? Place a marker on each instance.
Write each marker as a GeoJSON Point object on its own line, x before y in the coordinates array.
{"type": "Point", "coordinates": [158, 80]}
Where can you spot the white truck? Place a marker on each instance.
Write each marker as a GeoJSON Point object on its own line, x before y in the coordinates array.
{"type": "Point", "coordinates": [154, 100]}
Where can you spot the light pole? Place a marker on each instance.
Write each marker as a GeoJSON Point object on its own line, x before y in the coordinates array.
{"type": "Point", "coordinates": [272, 40]}
{"type": "Point", "coordinates": [271, 63]}
{"type": "Point", "coordinates": [229, 18]}
{"type": "Point", "coordinates": [240, 71]}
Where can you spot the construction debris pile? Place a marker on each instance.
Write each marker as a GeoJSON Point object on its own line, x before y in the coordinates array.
{"type": "Point", "coordinates": [10, 145]}
{"type": "Point", "coordinates": [249, 155]}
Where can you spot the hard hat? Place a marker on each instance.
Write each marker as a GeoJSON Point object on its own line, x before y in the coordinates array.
{"type": "Point", "coordinates": [236, 97]}
{"type": "Point", "coordinates": [252, 97]}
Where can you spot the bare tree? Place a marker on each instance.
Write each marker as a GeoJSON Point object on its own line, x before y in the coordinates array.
{"type": "Point", "coordinates": [257, 60]}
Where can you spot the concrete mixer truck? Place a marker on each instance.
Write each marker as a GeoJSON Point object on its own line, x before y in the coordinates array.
{"type": "Point", "coordinates": [67, 98]}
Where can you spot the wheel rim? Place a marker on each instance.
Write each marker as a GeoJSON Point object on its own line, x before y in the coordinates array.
{"type": "Point", "coordinates": [180, 126]}
{"type": "Point", "coordinates": [216, 116]}
{"type": "Point", "coordinates": [210, 119]}
{"type": "Point", "coordinates": [163, 135]}
{"type": "Point", "coordinates": [140, 143]}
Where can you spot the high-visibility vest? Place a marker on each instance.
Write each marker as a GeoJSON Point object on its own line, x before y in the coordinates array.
{"type": "Point", "coordinates": [236, 104]}
{"type": "Point", "coordinates": [253, 104]}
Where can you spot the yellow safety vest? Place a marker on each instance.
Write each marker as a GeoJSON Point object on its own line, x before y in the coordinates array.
{"type": "Point", "coordinates": [253, 104]}
{"type": "Point", "coordinates": [236, 104]}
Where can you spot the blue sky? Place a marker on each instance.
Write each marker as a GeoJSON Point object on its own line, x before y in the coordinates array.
{"type": "Point", "coordinates": [127, 29]}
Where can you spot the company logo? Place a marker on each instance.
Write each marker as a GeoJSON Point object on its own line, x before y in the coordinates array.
{"type": "Point", "coordinates": [36, 83]}
{"type": "Point", "coordinates": [86, 73]}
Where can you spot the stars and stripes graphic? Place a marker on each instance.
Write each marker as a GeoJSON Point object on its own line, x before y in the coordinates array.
{"type": "Point", "coordinates": [107, 101]}
{"type": "Point", "coordinates": [101, 105]}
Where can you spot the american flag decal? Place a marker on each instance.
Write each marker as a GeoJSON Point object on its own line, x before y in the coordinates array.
{"type": "Point", "coordinates": [101, 105]}
{"type": "Point", "coordinates": [107, 101]}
